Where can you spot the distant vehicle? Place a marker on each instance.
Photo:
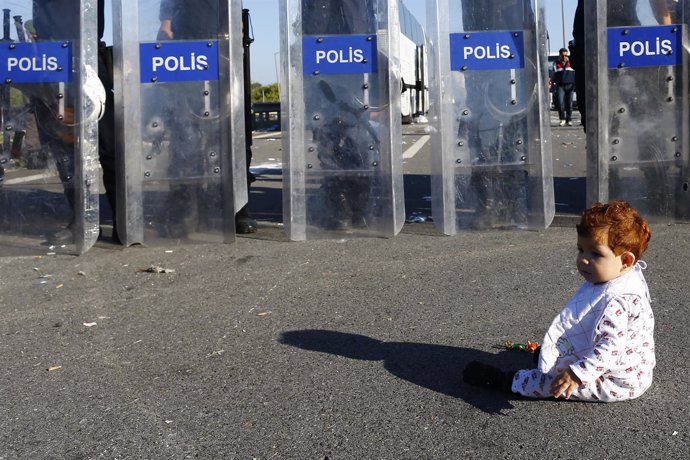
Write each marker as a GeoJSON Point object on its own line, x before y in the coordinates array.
{"type": "Point", "coordinates": [266, 116]}
{"type": "Point", "coordinates": [413, 67]}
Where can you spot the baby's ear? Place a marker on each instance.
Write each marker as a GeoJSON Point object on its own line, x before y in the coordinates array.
{"type": "Point", "coordinates": [628, 259]}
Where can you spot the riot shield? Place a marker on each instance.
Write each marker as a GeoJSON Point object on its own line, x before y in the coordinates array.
{"type": "Point", "coordinates": [491, 150]}
{"type": "Point", "coordinates": [637, 100]}
{"type": "Point", "coordinates": [180, 121]}
{"type": "Point", "coordinates": [50, 103]}
{"type": "Point", "coordinates": [342, 161]}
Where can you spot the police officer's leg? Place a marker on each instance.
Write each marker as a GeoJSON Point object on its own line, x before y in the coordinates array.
{"type": "Point", "coordinates": [646, 104]}
{"type": "Point", "coordinates": [106, 133]}
{"type": "Point", "coordinates": [185, 190]}
{"type": "Point", "coordinates": [482, 183]}
{"type": "Point", "coordinates": [243, 222]}
{"type": "Point", "coordinates": [337, 203]}
{"type": "Point", "coordinates": [63, 154]}
{"type": "Point", "coordinates": [56, 140]}
{"type": "Point", "coordinates": [180, 214]}
{"type": "Point", "coordinates": [360, 199]}
{"type": "Point", "coordinates": [577, 60]}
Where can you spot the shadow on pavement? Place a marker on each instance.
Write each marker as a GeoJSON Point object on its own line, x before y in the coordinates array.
{"type": "Point", "coordinates": [435, 367]}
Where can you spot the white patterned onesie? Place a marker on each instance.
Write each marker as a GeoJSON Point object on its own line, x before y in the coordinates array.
{"type": "Point", "coordinates": [606, 335]}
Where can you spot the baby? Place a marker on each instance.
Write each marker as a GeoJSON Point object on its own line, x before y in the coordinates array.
{"type": "Point", "coordinates": [600, 347]}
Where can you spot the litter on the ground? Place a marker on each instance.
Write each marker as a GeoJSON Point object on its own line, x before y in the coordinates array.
{"type": "Point", "coordinates": [156, 269]}
{"type": "Point", "coordinates": [418, 218]}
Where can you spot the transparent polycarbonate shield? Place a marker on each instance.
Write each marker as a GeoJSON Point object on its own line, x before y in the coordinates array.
{"type": "Point", "coordinates": [180, 120]}
{"type": "Point", "coordinates": [491, 151]}
{"type": "Point", "coordinates": [637, 99]}
{"type": "Point", "coordinates": [341, 125]}
{"type": "Point", "coordinates": [50, 102]}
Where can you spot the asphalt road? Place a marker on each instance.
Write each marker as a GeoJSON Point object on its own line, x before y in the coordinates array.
{"type": "Point", "coordinates": [348, 349]}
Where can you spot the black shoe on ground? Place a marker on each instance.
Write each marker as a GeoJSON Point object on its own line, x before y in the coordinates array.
{"type": "Point", "coordinates": [61, 237]}
{"type": "Point", "coordinates": [486, 376]}
{"type": "Point", "coordinates": [245, 225]}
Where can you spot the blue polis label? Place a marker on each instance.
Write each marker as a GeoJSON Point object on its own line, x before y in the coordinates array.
{"type": "Point", "coordinates": [341, 54]}
{"type": "Point", "coordinates": [645, 46]}
{"type": "Point", "coordinates": [487, 51]}
{"type": "Point", "coordinates": [179, 61]}
{"type": "Point", "coordinates": [38, 62]}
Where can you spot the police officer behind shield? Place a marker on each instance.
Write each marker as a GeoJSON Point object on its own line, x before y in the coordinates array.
{"type": "Point", "coordinates": [624, 14]}
{"type": "Point", "coordinates": [193, 19]}
{"type": "Point", "coordinates": [59, 20]}
{"type": "Point", "coordinates": [645, 122]}
{"type": "Point", "coordinates": [343, 135]}
{"type": "Point", "coordinates": [496, 128]}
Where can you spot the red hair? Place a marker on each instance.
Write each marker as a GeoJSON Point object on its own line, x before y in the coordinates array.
{"type": "Point", "coordinates": [616, 225]}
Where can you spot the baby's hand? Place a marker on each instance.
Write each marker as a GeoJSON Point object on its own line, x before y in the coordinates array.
{"type": "Point", "coordinates": [566, 382]}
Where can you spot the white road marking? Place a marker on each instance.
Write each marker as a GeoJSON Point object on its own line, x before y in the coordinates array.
{"type": "Point", "coordinates": [275, 134]}
{"type": "Point", "coordinates": [21, 180]}
{"type": "Point", "coordinates": [416, 147]}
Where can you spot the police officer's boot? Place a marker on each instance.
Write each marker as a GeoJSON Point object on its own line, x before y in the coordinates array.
{"type": "Point", "coordinates": [360, 193]}
{"type": "Point", "coordinates": [338, 205]}
{"type": "Point", "coordinates": [244, 224]}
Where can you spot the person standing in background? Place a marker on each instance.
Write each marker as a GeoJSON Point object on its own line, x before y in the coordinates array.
{"type": "Point", "coordinates": [564, 79]}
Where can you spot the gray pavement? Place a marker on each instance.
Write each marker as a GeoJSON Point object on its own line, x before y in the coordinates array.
{"type": "Point", "coordinates": [345, 349]}
{"type": "Point", "coordinates": [348, 349]}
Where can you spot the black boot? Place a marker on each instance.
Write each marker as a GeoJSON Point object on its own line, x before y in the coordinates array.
{"type": "Point", "coordinates": [338, 205]}
{"type": "Point", "coordinates": [360, 192]}
{"type": "Point", "coordinates": [486, 376]}
{"type": "Point", "coordinates": [244, 224]}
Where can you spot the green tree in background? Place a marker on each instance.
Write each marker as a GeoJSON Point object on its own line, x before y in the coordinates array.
{"type": "Point", "coordinates": [262, 93]}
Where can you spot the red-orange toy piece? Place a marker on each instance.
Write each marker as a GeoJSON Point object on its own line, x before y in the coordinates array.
{"type": "Point", "coordinates": [529, 347]}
